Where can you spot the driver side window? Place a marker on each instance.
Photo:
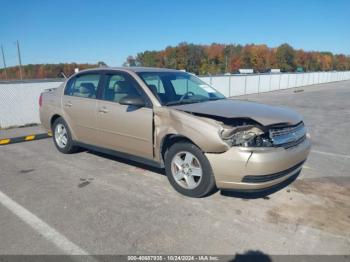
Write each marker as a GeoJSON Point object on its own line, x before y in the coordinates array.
{"type": "Point", "coordinates": [118, 86]}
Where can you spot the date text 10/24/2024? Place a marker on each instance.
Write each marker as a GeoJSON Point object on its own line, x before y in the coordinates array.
{"type": "Point", "coordinates": [173, 258]}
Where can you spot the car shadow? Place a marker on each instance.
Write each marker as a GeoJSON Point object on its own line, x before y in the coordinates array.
{"type": "Point", "coordinates": [261, 193]}
{"type": "Point", "coordinates": [128, 162]}
{"type": "Point", "coordinates": [224, 192]}
{"type": "Point", "coordinates": [252, 256]}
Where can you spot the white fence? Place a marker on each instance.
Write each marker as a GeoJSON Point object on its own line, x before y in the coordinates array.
{"type": "Point", "coordinates": [236, 85]}
{"type": "Point", "coordinates": [19, 102]}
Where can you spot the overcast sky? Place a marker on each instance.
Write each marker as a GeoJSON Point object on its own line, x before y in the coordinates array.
{"type": "Point", "coordinates": [101, 30]}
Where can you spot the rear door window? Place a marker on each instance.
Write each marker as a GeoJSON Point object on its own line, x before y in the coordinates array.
{"type": "Point", "coordinates": [83, 86]}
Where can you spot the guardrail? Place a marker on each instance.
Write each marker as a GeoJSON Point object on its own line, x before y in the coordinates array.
{"type": "Point", "coordinates": [19, 100]}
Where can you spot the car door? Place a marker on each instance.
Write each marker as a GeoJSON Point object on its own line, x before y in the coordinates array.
{"type": "Point", "coordinates": [124, 128]}
{"type": "Point", "coordinates": [79, 105]}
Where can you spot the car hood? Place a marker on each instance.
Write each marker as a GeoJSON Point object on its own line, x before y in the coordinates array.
{"type": "Point", "coordinates": [230, 108]}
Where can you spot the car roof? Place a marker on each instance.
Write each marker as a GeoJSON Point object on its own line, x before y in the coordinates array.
{"type": "Point", "coordinates": [132, 69]}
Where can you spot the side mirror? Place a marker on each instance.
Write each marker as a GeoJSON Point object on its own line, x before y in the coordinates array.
{"type": "Point", "coordinates": [132, 101]}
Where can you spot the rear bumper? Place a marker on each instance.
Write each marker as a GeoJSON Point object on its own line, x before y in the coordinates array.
{"type": "Point", "coordinates": [257, 168]}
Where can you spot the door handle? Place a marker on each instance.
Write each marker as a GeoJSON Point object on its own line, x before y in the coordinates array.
{"type": "Point", "coordinates": [103, 110]}
{"type": "Point", "coordinates": [69, 104]}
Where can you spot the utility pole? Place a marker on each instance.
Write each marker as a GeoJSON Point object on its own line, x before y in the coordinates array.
{"type": "Point", "coordinates": [19, 60]}
{"type": "Point", "coordinates": [3, 59]}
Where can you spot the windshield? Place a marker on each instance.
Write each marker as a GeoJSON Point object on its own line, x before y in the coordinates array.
{"type": "Point", "coordinates": [174, 88]}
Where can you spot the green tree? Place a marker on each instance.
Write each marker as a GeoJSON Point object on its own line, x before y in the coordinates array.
{"type": "Point", "coordinates": [285, 56]}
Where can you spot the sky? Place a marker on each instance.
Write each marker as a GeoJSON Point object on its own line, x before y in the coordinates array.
{"type": "Point", "coordinates": [88, 31]}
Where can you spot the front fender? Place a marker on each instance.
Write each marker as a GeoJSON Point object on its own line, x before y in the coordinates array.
{"type": "Point", "coordinates": [204, 133]}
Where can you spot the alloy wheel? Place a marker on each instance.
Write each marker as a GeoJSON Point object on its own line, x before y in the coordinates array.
{"type": "Point", "coordinates": [186, 170]}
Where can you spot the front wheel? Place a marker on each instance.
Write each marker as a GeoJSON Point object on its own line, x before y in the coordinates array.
{"type": "Point", "coordinates": [189, 171]}
{"type": "Point", "coordinates": [62, 137]}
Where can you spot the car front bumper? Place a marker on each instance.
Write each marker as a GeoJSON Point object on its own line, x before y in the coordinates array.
{"type": "Point", "coordinates": [257, 168]}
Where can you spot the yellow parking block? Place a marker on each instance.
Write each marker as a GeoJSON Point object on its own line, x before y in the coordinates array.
{"type": "Point", "coordinates": [4, 141]}
{"type": "Point", "coordinates": [28, 138]}
{"type": "Point", "coordinates": [7, 141]}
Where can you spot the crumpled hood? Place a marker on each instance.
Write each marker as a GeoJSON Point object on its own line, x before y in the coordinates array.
{"type": "Point", "coordinates": [230, 108]}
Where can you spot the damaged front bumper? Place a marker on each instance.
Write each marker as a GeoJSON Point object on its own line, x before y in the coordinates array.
{"type": "Point", "coordinates": [245, 168]}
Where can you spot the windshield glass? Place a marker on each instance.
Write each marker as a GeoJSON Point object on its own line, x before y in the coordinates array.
{"type": "Point", "coordinates": [174, 88]}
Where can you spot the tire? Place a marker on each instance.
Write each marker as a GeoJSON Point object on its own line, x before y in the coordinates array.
{"type": "Point", "coordinates": [180, 168]}
{"type": "Point", "coordinates": [65, 145]}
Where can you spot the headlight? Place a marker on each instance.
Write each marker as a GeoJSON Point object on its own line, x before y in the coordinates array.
{"type": "Point", "coordinates": [245, 136]}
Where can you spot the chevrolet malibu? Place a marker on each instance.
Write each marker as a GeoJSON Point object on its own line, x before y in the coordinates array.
{"type": "Point", "coordinates": [173, 120]}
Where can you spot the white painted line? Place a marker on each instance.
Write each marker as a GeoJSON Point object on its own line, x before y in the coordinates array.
{"type": "Point", "coordinates": [41, 227]}
{"type": "Point", "coordinates": [330, 154]}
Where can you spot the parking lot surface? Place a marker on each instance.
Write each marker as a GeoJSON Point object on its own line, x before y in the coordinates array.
{"type": "Point", "coordinates": [89, 203]}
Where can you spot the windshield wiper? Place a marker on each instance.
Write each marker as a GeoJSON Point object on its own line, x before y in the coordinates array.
{"type": "Point", "coordinates": [216, 98]}
{"type": "Point", "coordinates": [192, 101]}
{"type": "Point", "coordinates": [171, 103]}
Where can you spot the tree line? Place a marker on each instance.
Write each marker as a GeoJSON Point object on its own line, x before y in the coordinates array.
{"type": "Point", "coordinates": [203, 60]}
{"type": "Point", "coordinates": [41, 71]}
{"type": "Point", "coordinates": [220, 58]}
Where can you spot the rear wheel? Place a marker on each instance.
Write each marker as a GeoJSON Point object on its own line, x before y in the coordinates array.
{"type": "Point", "coordinates": [62, 137]}
{"type": "Point", "coordinates": [188, 170]}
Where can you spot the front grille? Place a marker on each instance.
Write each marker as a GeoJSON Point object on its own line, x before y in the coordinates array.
{"type": "Point", "coordinates": [288, 136]}
{"type": "Point", "coordinates": [266, 178]}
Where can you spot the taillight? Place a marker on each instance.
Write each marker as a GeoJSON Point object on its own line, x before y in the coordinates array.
{"type": "Point", "coordinates": [41, 100]}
